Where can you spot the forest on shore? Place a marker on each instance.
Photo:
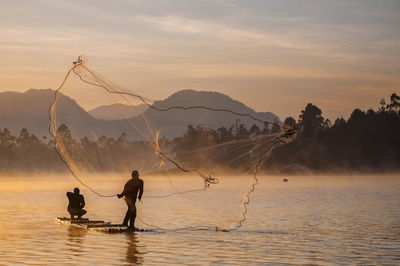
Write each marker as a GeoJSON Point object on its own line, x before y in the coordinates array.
{"type": "Point", "coordinates": [367, 142]}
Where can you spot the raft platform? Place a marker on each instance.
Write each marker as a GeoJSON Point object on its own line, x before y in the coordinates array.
{"type": "Point", "coordinates": [101, 226]}
{"type": "Point", "coordinates": [115, 228]}
{"type": "Point", "coordinates": [81, 221]}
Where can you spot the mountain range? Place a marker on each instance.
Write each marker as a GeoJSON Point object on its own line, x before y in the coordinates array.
{"type": "Point", "coordinates": [117, 111]}
{"type": "Point", "coordinates": [30, 110]}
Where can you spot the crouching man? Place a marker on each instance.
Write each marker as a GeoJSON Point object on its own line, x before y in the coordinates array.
{"type": "Point", "coordinates": [76, 204]}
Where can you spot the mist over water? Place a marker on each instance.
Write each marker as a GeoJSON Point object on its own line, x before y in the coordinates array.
{"type": "Point", "coordinates": [308, 220]}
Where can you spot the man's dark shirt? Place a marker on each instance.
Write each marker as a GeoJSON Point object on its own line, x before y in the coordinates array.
{"type": "Point", "coordinates": [76, 201]}
{"type": "Point", "coordinates": [131, 189]}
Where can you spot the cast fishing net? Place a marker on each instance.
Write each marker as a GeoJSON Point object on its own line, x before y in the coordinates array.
{"type": "Point", "coordinates": [206, 169]}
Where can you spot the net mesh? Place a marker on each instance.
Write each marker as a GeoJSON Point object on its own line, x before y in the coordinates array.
{"type": "Point", "coordinates": [188, 172]}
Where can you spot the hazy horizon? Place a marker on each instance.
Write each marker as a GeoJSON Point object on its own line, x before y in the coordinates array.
{"type": "Point", "coordinates": [104, 101]}
{"type": "Point", "coordinates": [272, 56]}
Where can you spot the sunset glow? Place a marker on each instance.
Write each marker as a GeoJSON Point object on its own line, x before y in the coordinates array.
{"type": "Point", "coordinates": [272, 55]}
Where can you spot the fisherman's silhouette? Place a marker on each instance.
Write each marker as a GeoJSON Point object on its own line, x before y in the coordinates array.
{"type": "Point", "coordinates": [76, 204]}
{"type": "Point", "coordinates": [130, 193]}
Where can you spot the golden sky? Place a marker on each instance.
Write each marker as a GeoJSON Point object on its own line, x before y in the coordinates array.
{"type": "Point", "coordinates": [271, 55]}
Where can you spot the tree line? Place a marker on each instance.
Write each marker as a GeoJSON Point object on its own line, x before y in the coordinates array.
{"type": "Point", "coordinates": [367, 141]}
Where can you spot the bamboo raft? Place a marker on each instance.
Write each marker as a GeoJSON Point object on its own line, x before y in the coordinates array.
{"type": "Point", "coordinates": [100, 226]}
{"type": "Point", "coordinates": [81, 221]}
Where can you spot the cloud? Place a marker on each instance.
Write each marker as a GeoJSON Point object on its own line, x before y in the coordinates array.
{"type": "Point", "coordinates": [231, 45]}
{"type": "Point", "coordinates": [218, 31]}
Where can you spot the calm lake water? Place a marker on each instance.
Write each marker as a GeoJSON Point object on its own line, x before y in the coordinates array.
{"type": "Point", "coordinates": [308, 220]}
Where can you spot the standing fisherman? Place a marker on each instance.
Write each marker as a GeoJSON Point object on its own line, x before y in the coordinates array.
{"type": "Point", "coordinates": [131, 189]}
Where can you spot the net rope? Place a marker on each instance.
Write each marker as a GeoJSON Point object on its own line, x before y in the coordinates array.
{"type": "Point", "coordinates": [271, 142]}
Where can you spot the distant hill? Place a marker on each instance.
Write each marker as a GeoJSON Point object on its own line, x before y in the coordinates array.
{"type": "Point", "coordinates": [175, 122]}
{"type": "Point", "coordinates": [30, 110]}
{"type": "Point", "coordinates": [117, 111]}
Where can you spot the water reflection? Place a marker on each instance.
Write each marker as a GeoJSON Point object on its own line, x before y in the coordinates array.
{"type": "Point", "coordinates": [76, 237]}
{"type": "Point", "coordinates": [133, 256]}
{"type": "Point", "coordinates": [306, 221]}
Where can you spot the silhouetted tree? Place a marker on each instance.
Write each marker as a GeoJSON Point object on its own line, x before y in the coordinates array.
{"type": "Point", "coordinates": [7, 150]}
{"type": "Point", "coordinates": [339, 122]}
{"type": "Point", "coordinates": [242, 132]}
{"type": "Point", "coordinates": [64, 131]}
{"type": "Point", "coordinates": [290, 121]}
{"type": "Point", "coordinates": [383, 105]}
{"type": "Point", "coordinates": [394, 102]}
{"type": "Point", "coordinates": [311, 120]}
{"type": "Point", "coordinates": [224, 134]}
